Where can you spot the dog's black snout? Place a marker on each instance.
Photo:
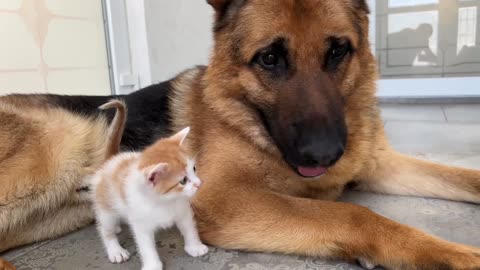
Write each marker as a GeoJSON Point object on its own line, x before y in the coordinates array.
{"type": "Point", "coordinates": [320, 154]}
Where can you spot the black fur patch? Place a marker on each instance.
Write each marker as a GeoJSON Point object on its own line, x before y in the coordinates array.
{"type": "Point", "coordinates": [83, 105]}
{"type": "Point", "coordinates": [148, 116]}
{"type": "Point", "coordinates": [83, 189]}
{"type": "Point", "coordinates": [227, 13]}
{"type": "Point", "coordinates": [148, 113]}
{"type": "Point", "coordinates": [361, 4]}
{"type": "Point", "coordinates": [358, 17]}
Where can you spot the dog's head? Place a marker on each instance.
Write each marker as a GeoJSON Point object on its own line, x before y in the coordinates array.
{"type": "Point", "coordinates": [291, 65]}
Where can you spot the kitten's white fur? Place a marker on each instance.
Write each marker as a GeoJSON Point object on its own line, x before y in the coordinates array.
{"type": "Point", "coordinates": [145, 211]}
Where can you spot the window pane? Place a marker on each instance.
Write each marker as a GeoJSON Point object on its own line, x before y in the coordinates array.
{"type": "Point", "coordinates": [427, 38]}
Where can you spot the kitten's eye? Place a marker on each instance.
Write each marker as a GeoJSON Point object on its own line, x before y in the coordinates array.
{"type": "Point", "coordinates": [184, 181]}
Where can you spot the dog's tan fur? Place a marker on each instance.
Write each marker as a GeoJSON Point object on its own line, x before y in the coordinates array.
{"type": "Point", "coordinates": [4, 265]}
{"type": "Point", "coordinates": [117, 126]}
{"type": "Point", "coordinates": [251, 199]}
{"type": "Point", "coordinates": [44, 153]}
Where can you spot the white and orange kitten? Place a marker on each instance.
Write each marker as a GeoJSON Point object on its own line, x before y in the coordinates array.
{"type": "Point", "coordinates": [149, 190]}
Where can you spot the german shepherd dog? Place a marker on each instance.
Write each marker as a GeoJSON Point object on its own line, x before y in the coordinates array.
{"type": "Point", "coordinates": [283, 118]}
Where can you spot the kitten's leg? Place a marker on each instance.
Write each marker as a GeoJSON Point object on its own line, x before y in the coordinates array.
{"type": "Point", "coordinates": [108, 224]}
{"type": "Point", "coordinates": [193, 246]}
{"type": "Point", "coordinates": [145, 238]}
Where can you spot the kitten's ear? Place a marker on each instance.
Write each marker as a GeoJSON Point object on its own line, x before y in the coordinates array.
{"type": "Point", "coordinates": [158, 172]}
{"type": "Point", "coordinates": [180, 136]}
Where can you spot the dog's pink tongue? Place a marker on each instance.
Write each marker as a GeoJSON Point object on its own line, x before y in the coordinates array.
{"type": "Point", "coordinates": [312, 171]}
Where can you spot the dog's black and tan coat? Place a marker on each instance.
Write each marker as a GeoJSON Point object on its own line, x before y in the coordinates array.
{"type": "Point", "coordinates": [289, 94]}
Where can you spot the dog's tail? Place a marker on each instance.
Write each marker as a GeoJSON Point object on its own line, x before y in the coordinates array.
{"type": "Point", "coordinates": [115, 131]}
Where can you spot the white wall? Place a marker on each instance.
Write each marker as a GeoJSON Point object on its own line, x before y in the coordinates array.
{"type": "Point", "coordinates": [179, 35]}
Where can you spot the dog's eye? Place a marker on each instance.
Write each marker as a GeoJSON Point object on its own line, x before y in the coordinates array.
{"type": "Point", "coordinates": [337, 52]}
{"type": "Point", "coordinates": [272, 58]}
{"type": "Point", "coordinates": [269, 60]}
{"type": "Point", "coordinates": [184, 181]}
{"type": "Point", "coordinates": [194, 169]}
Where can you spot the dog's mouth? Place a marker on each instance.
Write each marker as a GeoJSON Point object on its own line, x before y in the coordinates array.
{"type": "Point", "coordinates": [311, 172]}
{"type": "Point", "coordinates": [305, 171]}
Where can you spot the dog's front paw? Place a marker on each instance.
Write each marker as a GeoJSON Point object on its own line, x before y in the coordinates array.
{"type": "Point", "coordinates": [118, 255]}
{"type": "Point", "coordinates": [450, 256]}
{"type": "Point", "coordinates": [196, 250]}
{"type": "Point", "coordinates": [469, 260]}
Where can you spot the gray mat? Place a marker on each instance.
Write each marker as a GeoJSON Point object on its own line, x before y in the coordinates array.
{"type": "Point", "coordinates": [83, 249]}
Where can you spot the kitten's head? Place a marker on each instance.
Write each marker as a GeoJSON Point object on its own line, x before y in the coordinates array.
{"type": "Point", "coordinates": [168, 169]}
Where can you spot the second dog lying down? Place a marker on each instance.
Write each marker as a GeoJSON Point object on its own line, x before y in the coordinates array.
{"type": "Point", "coordinates": [148, 190]}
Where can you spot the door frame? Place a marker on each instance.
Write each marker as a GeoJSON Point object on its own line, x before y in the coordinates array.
{"type": "Point", "coordinates": [125, 25]}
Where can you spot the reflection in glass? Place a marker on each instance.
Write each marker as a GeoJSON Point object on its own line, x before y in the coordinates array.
{"type": "Point", "coordinates": [427, 38]}
{"type": "Point", "coordinates": [412, 38]}
{"type": "Point", "coordinates": [467, 27]}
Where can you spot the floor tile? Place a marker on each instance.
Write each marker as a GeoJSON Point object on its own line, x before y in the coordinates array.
{"type": "Point", "coordinates": [463, 113]}
{"type": "Point", "coordinates": [20, 52]}
{"type": "Point", "coordinates": [413, 137]}
{"type": "Point", "coordinates": [412, 112]}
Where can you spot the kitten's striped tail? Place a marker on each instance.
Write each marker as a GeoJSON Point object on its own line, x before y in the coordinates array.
{"type": "Point", "coordinates": [115, 131]}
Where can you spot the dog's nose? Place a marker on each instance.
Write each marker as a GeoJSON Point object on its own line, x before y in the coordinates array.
{"type": "Point", "coordinates": [319, 154]}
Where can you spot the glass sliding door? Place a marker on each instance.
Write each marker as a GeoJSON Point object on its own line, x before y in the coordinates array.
{"type": "Point", "coordinates": [427, 48]}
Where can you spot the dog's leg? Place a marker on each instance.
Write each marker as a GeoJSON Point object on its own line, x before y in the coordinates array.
{"type": "Point", "coordinates": [266, 221]}
{"type": "Point", "coordinates": [395, 173]}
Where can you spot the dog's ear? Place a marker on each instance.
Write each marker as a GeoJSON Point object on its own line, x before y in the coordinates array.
{"type": "Point", "coordinates": [218, 5]}
{"type": "Point", "coordinates": [362, 5]}
{"type": "Point", "coordinates": [225, 11]}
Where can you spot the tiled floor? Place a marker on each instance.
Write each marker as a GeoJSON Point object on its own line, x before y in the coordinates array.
{"type": "Point", "coordinates": [441, 130]}
{"type": "Point", "coordinates": [462, 113]}
{"type": "Point", "coordinates": [444, 133]}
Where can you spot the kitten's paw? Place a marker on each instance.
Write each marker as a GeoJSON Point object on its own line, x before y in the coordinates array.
{"type": "Point", "coordinates": [196, 250]}
{"type": "Point", "coordinates": [118, 255]}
